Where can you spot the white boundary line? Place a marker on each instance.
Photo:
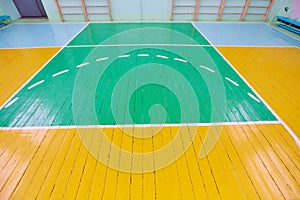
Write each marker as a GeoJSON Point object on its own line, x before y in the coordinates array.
{"type": "Point", "coordinates": [293, 135]}
{"type": "Point", "coordinates": [142, 125]}
{"type": "Point", "coordinates": [216, 22]}
{"type": "Point", "coordinates": [168, 21]}
{"type": "Point", "coordinates": [125, 45]}
{"type": "Point", "coordinates": [9, 99]}
{"type": "Point", "coordinates": [136, 22]}
{"type": "Point", "coordinates": [244, 46]}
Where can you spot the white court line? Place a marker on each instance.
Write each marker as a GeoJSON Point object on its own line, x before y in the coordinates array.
{"type": "Point", "coordinates": [232, 81]}
{"type": "Point", "coordinates": [206, 68]}
{"type": "Point", "coordinates": [144, 125]}
{"type": "Point", "coordinates": [262, 46]}
{"type": "Point", "coordinates": [101, 59]}
{"type": "Point", "coordinates": [36, 84]}
{"type": "Point", "coordinates": [143, 45]}
{"type": "Point", "coordinates": [42, 67]}
{"type": "Point", "coordinates": [180, 60]}
{"type": "Point", "coordinates": [83, 64]}
{"type": "Point", "coordinates": [124, 56]}
{"type": "Point", "coordinates": [143, 55]}
{"type": "Point", "coordinates": [161, 56]}
{"type": "Point", "coordinates": [11, 102]}
{"type": "Point", "coordinates": [253, 97]}
{"type": "Point", "coordinates": [289, 130]}
{"type": "Point", "coordinates": [59, 73]}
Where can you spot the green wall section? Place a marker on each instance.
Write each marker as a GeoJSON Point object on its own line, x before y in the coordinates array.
{"type": "Point", "coordinates": [138, 84]}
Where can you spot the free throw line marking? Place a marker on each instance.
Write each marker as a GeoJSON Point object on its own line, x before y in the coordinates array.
{"type": "Point", "coordinates": [206, 68]}
{"type": "Point", "coordinates": [83, 64]}
{"type": "Point", "coordinates": [101, 59]}
{"type": "Point", "coordinates": [36, 84]}
{"type": "Point", "coordinates": [180, 60]}
{"type": "Point", "coordinates": [59, 73]}
{"type": "Point", "coordinates": [124, 56]}
{"type": "Point", "coordinates": [253, 97]}
{"type": "Point", "coordinates": [161, 56]}
{"type": "Point", "coordinates": [143, 55]}
{"type": "Point", "coordinates": [232, 81]}
{"type": "Point", "coordinates": [11, 102]}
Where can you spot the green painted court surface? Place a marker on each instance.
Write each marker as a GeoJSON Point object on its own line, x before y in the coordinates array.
{"type": "Point", "coordinates": [139, 33]}
{"type": "Point", "coordinates": [170, 74]}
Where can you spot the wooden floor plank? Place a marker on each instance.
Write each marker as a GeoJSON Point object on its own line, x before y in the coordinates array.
{"type": "Point", "coordinates": [275, 79]}
{"type": "Point", "coordinates": [250, 159]}
{"type": "Point", "coordinates": [22, 164]}
{"type": "Point", "coordinates": [17, 66]}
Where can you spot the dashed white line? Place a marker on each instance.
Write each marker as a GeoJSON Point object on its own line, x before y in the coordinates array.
{"type": "Point", "coordinates": [180, 60]}
{"type": "Point", "coordinates": [82, 65]}
{"type": "Point", "coordinates": [253, 97]}
{"type": "Point", "coordinates": [36, 84]}
{"type": "Point", "coordinates": [231, 81]}
{"type": "Point", "coordinates": [161, 56]}
{"type": "Point", "coordinates": [124, 56]}
{"type": "Point", "coordinates": [59, 73]}
{"type": "Point", "coordinates": [101, 59]}
{"type": "Point", "coordinates": [208, 69]}
{"type": "Point", "coordinates": [143, 55]}
{"type": "Point", "coordinates": [11, 102]}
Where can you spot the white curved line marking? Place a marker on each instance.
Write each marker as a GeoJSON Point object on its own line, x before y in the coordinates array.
{"type": "Point", "coordinates": [253, 97]}
{"type": "Point", "coordinates": [101, 59]}
{"type": "Point", "coordinates": [36, 84]}
{"type": "Point", "coordinates": [123, 56]}
{"type": "Point", "coordinates": [160, 56]}
{"type": "Point", "coordinates": [59, 73]}
{"type": "Point", "coordinates": [143, 55]}
{"type": "Point", "coordinates": [82, 65]}
{"type": "Point", "coordinates": [208, 69]}
{"type": "Point", "coordinates": [231, 81]}
{"type": "Point", "coordinates": [11, 102]}
{"type": "Point", "coordinates": [180, 60]}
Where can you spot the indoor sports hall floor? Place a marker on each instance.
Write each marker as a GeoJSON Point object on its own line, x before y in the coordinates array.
{"type": "Point", "coordinates": [149, 111]}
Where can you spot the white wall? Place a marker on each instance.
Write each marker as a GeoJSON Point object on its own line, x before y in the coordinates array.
{"type": "Point", "coordinates": [51, 10]}
{"type": "Point", "coordinates": [142, 10]}
{"type": "Point", "coordinates": [7, 7]}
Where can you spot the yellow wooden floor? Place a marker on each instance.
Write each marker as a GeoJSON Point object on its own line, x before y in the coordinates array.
{"type": "Point", "coordinates": [249, 161]}
{"type": "Point", "coordinates": [18, 65]}
{"type": "Point", "coordinates": [275, 75]}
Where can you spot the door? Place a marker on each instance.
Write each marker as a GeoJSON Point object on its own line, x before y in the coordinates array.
{"type": "Point", "coordinates": [30, 8]}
